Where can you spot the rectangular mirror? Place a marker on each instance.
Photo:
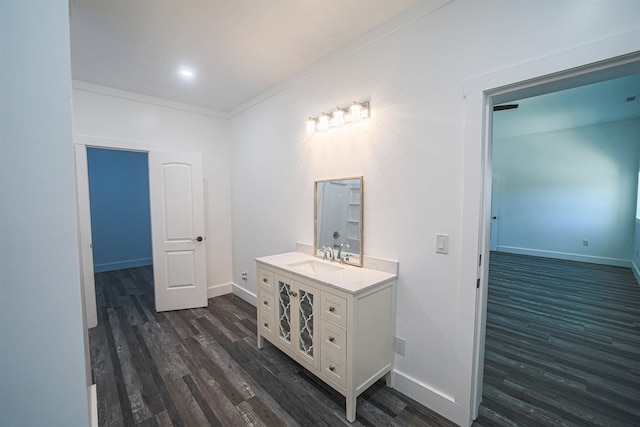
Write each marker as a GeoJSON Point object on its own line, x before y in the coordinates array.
{"type": "Point", "coordinates": [338, 218]}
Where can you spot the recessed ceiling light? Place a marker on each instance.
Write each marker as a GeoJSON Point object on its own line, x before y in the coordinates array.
{"type": "Point", "coordinates": [186, 73]}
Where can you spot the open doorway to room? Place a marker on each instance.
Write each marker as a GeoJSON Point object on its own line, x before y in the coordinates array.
{"type": "Point", "coordinates": [120, 225]}
{"type": "Point", "coordinates": [119, 201]}
{"type": "Point", "coordinates": [561, 342]}
{"type": "Point", "coordinates": [175, 228]}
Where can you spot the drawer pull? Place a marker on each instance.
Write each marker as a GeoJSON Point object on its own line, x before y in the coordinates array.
{"type": "Point", "coordinates": [265, 280]}
{"type": "Point", "coordinates": [332, 309]}
{"type": "Point", "coordinates": [332, 368]}
{"type": "Point", "coordinates": [331, 339]}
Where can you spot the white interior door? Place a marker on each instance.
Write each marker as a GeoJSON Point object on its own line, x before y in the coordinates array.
{"type": "Point", "coordinates": [84, 236]}
{"type": "Point", "coordinates": [177, 230]}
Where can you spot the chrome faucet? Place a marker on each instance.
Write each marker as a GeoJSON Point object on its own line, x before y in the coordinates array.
{"type": "Point", "coordinates": [328, 249]}
{"type": "Point", "coordinates": [340, 257]}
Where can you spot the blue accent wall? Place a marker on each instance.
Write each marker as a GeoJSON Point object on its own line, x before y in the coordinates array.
{"type": "Point", "coordinates": [119, 196]}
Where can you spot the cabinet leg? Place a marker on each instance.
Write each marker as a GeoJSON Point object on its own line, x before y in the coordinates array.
{"type": "Point", "coordinates": [390, 378]}
{"type": "Point", "coordinates": [260, 342]}
{"type": "Point", "coordinates": [351, 407]}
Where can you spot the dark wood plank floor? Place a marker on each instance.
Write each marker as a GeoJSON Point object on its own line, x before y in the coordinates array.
{"type": "Point", "coordinates": [201, 367]}
{"type": "Point", "coordinates": [562, 344]}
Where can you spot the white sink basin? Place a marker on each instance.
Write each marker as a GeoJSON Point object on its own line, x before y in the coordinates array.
{"type": "Point", "coordinates": [315, 267]}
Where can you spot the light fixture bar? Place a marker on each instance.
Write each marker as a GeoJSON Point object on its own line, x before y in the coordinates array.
{"type": "Point", "coordinates": [341, 116]}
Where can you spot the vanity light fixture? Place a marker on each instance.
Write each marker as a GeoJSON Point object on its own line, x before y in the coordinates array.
{"type": "Point", "coordinates": [341, 116]}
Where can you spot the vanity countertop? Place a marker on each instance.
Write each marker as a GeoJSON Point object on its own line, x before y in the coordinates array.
{"type": "Point", "coordinates": [340, 276]}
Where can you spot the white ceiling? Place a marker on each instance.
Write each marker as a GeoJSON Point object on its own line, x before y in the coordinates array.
{"type": "Point", "coordinates": [601, 102]}
{"type": "Point", "coordinates": [242, 49]}
{"type": "Point", "coordinates": [237, 49]}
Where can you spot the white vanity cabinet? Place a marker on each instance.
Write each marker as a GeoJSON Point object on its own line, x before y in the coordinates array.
{"type": "Point", "coordinates": [342, 332]}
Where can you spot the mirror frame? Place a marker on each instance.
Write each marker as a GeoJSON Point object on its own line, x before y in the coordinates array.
{"type": "Point", "coordinates": [317, 252]}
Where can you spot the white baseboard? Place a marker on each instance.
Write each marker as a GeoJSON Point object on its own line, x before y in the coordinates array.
{"type": "Point", "coordinates": [249, 297]}
{"type": "Point", "coordinates": [231, 288]}
{"type": "Point", "coordinates": [93, 405]}
{"type": "Point", "coordinates": [92, 321]}
{"type": "Point", "coordinates": [121, 265]}
{"type": "Point", "coordinates": [432, 399]}
{"type": "Point", "coordinates": [617, 262]}
{"type": "Point", "coordinates": [218, 290]}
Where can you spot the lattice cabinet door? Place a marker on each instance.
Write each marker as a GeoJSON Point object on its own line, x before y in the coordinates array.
{"type": "Point", "coordinates": [285, 291]}
{"type": "Point", "coordinates": [307, 315]}
{"type": "Point", "coordinates": [297, 322]}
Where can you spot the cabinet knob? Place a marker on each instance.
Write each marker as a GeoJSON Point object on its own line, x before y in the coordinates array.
{"type": "Point", "coordinates": [265, 302]}
{"type": "Point", "coordinates": [293, 294]}
{"type": "Point", "coordinates": [264, 280]}
{"type": "Point", "coordinates": [332, 309]}
{"type": "Point", "coordinates": [266, 325]}
{"type": "Point", "coordinates": [332, 368]}
{"type": "Point", "coordinates": [331, 339]}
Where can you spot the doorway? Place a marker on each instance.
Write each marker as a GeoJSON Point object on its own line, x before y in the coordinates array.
{"type": "Point", "coordinates": [176, 211]}
{"type": "Point", "coordinates": [504, 93]}
{"type": "Point", "coordinates": [564, 173]}
{"type": "Point", "coordinates": [549, 327]}
{"type": "Point", "coordinates": [119, 205]}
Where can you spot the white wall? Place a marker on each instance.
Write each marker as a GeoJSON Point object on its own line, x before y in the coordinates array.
{"type": "Point", "coordinates": [411, 154]}
{"type": "Point", "coordinates": [108, 115]}
{"type": "Point", "coordinates": [560, 188]}
{"type": "Point", "coordinates": [43, 377]}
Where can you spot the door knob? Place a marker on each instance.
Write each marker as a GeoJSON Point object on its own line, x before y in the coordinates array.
{"type": "Point", "coordinates": [198, 239]}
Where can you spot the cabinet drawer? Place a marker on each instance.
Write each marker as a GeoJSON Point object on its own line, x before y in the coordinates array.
{"type": "Point", "coordinates": [266, 303]}
{"type": "Point", "coordinates": [266, 324]}
{"type": "Point", "coordinates": [334, 309]}
{"type": "Point", "coordinates": [333, 367]}
{"type": "Point", "coordinates": [334, 338]}
{"type": "Point", "coordinates": [265, 280]}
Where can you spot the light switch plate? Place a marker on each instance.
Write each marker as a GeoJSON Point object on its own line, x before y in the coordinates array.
{"type": "Point", "coordinates": [442, 243]}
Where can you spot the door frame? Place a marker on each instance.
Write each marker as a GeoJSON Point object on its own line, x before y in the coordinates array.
{"type": "Point", "coordinates": [602, 60]}
{"type": "Point", "coordinates": [81, 143]}
{"type": "Point", "coordinates": [496, 193]}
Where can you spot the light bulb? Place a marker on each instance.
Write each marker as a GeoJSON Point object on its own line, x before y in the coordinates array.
{"type": "Point", "coordinates": [311, 125]}
{"type": "Point", "coordinates": [323, 122]}
{"type": "Point", "coordinates": [355, 111]}
{"type": "Point", "coordinates": [337, 118]}
{"type": "Point", "coordinates": [364, 113]}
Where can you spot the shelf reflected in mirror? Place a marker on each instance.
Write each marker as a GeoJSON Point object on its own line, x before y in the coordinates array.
{"type": "Point", "coordinates": [338, 218]}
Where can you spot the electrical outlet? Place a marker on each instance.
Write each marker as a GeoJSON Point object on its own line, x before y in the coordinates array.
{"type": "Point", "coordinates": [585, 243]}
{"type": "Point", "coordinates": [400, 346]}
{"type": "Point", "coordinates": [245, 276]}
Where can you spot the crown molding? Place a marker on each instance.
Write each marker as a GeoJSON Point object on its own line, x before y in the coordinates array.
{"type": "Point", "coordinates": [146, 99]}
{"type": "Point", "coordinates": [408, 17]}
